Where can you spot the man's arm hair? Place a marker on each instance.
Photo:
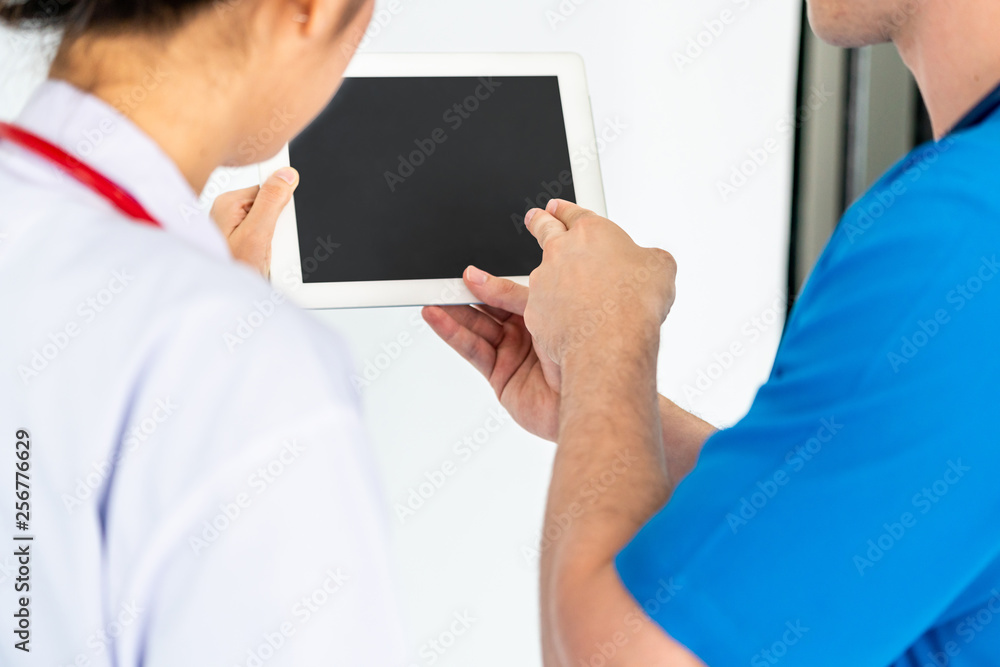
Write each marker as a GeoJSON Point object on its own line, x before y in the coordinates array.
{"type": "Point", "coordinates": [611, 426]}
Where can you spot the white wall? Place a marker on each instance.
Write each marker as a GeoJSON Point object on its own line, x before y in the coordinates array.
{"type": "Point", "coordinates": [686, 127]}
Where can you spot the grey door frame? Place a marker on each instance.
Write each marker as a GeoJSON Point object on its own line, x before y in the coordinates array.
{"type": "Point", "coordinates": [871, 115]}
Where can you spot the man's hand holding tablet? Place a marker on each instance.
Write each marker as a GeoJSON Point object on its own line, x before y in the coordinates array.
{"type": "Point", "coordinates": [595, 306]}
{"type": "Point", "coordinates": [594, 287]}
{"type": "Point", "coordinates": [494, 339]}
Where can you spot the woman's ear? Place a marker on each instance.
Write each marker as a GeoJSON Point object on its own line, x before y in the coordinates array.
{"type": "Point", "coordinates": [327, 17]}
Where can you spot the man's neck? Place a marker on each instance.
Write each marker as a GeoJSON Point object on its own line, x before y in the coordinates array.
{"type": "Point", "coordinates": [953, 51]}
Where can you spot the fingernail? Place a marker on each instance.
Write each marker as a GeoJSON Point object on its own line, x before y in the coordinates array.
{"type": "Point", "coordinates": [530, 214]}
{"type": "Point", "coordinates": [476, 276]}
{"type": "Point", "coordinates": [552, 206]}
{"type": "Point", "coordinates": [288, 175]}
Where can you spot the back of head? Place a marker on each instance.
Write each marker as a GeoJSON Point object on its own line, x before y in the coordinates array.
{"type": "Point", "coordinates": [77, 17]}
{"type": "Point", "coordinates": [241, 60]}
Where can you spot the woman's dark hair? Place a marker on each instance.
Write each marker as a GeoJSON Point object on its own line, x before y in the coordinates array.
{"type": "Point", "coordinates": [81, 16]}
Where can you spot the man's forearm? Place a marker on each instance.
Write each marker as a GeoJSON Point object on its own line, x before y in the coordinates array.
{"type": "Point", "coordinates": [683, 437]}
{"type": "Point", "coordinates": [609, 477]}
{"type": "Point", "coordinates": [622, 451]}
{"type": "Point", "coordinates": [596, 305]}
{"type": "Point", "coordinates": [610, 457]}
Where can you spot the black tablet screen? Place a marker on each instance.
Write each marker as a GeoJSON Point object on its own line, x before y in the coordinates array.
{"type": "Point", "coordinates": [416, 178]}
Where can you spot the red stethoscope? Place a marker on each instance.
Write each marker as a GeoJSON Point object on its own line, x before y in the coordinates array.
{"type": "Point", "coordinates": [86, 175]}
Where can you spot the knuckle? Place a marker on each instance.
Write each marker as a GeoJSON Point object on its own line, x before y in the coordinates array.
{"type": "Point", "coordinates": [543, 227]}
{"type": "Point", "coordinates": [663, 259]}
{"type": "Point", "coordinates": [592, 225]}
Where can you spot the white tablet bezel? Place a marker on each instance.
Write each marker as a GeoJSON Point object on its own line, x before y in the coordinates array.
{"type": "Point", "coordinates": [286, 267]}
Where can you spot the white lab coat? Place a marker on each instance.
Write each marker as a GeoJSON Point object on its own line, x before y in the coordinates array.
{"type": "Point", "coordinates": [200, 485]}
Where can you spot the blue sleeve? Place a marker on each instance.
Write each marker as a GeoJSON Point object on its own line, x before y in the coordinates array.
{"type": "Point", "coordinates": [858, 498]}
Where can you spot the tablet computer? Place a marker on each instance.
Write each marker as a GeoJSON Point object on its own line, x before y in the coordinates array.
{"type": "Point", "coordinates": [425, 163]}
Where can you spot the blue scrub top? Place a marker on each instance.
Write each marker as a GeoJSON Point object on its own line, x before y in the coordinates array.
{"type": "Point", "coordinates": [853, 516]}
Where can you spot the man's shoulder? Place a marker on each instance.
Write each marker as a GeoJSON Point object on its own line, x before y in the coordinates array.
{"type": "Point", "coordinates": [916, 259]}
{"type": "Point", "coordinates": [941, 191]}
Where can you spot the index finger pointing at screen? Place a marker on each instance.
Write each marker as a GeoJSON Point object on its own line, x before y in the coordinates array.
{"type": "Point", "coordinates": [567, 212]}
{"type": "Point", "coordinates": [543, 226]}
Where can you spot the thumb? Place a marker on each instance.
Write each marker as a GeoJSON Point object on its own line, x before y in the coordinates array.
{"type": "Point", "coordinates": [274, 195]}
{"type": "Point", "coordinates": [497, 292]}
